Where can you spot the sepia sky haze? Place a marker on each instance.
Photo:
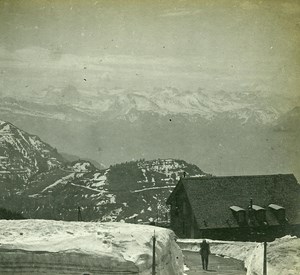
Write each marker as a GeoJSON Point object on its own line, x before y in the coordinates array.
{"type": "Point", "coordinates": [214, 45]}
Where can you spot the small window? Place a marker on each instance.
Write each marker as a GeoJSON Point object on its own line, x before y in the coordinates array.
{"type": "Point", "coordinates": [241, 217]}
{"type": "Point", "coordinates": [281, 215]}
{"type": "Point", "coordinates": [279, 212]}
{"type": "Point", "coordinates": [239, 214]}
{"type": "Point", "coordinates": [260, 214]}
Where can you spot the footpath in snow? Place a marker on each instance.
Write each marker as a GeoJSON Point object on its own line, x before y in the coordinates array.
{"type": "Point", "coordinates": [217, 265]}
{"type": "Point", "coordinates": [57, 247]}
{"type": "Point", "coordinates": [283, 255]}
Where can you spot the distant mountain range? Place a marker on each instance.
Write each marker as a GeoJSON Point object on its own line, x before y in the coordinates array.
{"type": "Point", "coordinates": [224, 133]}
{"type": "Point", "coordinates": [70, 104]}
{"type": "Point", "coordinates": [38, 182]}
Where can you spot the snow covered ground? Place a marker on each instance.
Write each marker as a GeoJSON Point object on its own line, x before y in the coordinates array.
{"type": "Point", "coordinates": [57, 247]}
{"type": "Point", "coordinates": [283, 255]}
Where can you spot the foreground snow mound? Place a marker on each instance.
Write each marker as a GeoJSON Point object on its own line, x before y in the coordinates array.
{"type": "Point", "coordinates": [57, 247]}
{"type": "Point", "coordinates": [283, 257]}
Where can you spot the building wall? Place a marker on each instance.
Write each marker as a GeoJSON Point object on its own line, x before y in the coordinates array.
{"type": "Point", "coordinates": [182, 218]}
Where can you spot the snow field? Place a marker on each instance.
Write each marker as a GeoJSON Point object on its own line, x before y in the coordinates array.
{"type": "Point", "coordinates": [97, 248]}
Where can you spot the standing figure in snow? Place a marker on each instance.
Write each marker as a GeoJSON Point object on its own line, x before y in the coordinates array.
{"type": "Point", "coordinates": [204, 252]}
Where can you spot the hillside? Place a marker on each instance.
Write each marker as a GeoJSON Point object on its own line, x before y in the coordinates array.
{"type": "Point", "coordinates": [23, 155]}
{"type": "Point", "coordinates": [132, 191]}
{"type": "Point", "coordinates": [49, 187]}
{"type": "Point", "coordinates": [9, 215]}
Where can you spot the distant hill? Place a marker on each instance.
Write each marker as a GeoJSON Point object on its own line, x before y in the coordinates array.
{"type": "Point", "coordinates": [132, 191]}
{"type": "Point", "coordinates": [70, 158]}
{"type": "Point", "coordinates": [54, 188]}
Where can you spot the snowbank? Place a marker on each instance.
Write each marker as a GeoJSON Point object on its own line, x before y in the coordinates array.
{"type": "Point", "coordinates": [283, 255]}
{"type": "Point", "coordinates": [57, 247]}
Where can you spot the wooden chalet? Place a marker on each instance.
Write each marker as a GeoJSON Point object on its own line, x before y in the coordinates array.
{"type": "Point", "coordinates": [236, 207]}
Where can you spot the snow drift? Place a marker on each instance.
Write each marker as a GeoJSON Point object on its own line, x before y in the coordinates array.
{"type": "Point", "coordinates": [283, 255]}
{"type": "Point", "coordinates": [57, 247]}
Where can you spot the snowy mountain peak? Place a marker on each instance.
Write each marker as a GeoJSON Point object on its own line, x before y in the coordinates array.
{"type": "Point", "coordinates": [118, 103]}
{"type": "Point", "coordinates": [23, 155]}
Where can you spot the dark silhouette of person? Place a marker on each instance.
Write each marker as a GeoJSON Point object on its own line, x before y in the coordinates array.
{"type": "Point", "coordinates": [204, 252]}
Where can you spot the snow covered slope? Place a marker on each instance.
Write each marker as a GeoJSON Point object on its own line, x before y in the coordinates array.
{"type": "Point", "coordinates": [135, 191]}
{"type": "Point", "coordinates": [49, 187]}
{"type": "Point", "coordinates": [23, 155]}
{"type": "Point", "coordinates": [52, 247]}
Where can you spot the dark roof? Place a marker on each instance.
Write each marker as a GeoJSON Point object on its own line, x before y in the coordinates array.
{"type": "Point", "coordinates": [212, 197]}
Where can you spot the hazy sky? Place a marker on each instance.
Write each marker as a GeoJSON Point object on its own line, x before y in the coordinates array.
{"type": "Point", "coordinates": [234, 45]}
